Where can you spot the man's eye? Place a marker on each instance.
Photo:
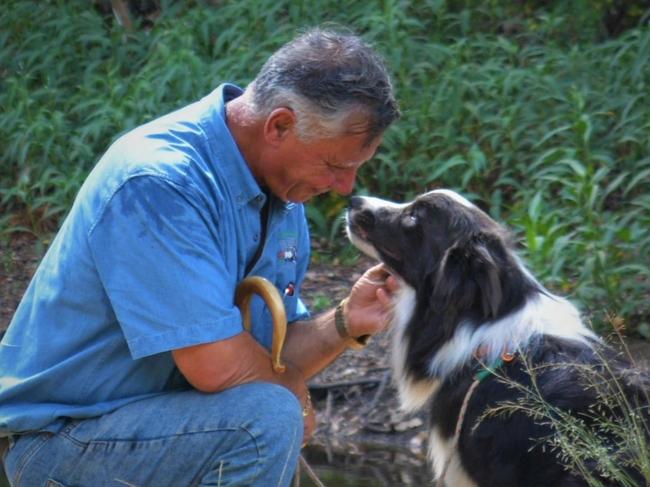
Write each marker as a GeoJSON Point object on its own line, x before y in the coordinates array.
{"type": "Point", "coordinates": [339, 168]}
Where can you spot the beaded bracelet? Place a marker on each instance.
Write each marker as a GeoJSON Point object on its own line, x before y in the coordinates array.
{"type": "Point", "coordinates": [308, 407]}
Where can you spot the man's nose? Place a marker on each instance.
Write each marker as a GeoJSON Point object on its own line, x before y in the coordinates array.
{"type": "Point", "coordinates": [344, 183]}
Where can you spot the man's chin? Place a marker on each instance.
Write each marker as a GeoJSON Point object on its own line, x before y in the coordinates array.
{"type": "Point", "coordinates": [304, 196]}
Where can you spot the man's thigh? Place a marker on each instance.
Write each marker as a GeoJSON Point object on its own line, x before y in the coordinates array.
{"type": "Point", "coordinates": [247, 435]}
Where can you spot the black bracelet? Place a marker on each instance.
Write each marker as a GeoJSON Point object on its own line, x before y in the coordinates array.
{"type": "Point", "coordinates": [356, 343]}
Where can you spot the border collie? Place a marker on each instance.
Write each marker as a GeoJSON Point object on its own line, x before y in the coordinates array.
{"type": "Point", "coordinates": [474, 333]}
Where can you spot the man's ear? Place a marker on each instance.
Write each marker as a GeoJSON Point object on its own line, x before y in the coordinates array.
{"type": "Point", "coordinates": [278, 124]}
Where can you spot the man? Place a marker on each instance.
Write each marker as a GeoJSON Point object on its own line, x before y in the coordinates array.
{"type": "Point", "coordinates": [126, 362]}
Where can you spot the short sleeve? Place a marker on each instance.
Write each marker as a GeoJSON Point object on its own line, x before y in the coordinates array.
{"type": "Point", "coordinates": [160, 261]}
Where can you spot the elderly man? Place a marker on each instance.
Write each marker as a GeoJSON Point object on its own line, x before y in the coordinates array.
{"type": "Point", "coordinates": [126, 362]}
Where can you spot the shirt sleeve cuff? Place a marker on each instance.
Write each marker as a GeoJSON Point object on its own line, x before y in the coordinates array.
{"type": "Point", "coordinates": [185, 336]}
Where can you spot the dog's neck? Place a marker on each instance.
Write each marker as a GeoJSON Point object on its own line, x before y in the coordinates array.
{"type": "Point", "coordinates": [542, 314]}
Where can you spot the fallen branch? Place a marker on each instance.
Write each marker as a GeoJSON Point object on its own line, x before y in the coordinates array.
{"type": "Point", "coordinates": [342, 385]}
{"type": "Point", "coordinates": [380, 390]}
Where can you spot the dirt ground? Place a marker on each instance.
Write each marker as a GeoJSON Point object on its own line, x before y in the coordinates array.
{"type": "Point", "coordinates": [355, 399]}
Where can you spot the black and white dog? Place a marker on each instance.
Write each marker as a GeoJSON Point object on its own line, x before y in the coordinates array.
{"type": "Point", "coordinates": [466, 305]}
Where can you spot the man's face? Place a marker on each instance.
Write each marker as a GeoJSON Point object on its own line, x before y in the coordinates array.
{"type": "Point", "coordinates": [306, 169]}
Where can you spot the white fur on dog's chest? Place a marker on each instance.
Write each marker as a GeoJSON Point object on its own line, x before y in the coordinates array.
{"type": "Point", "coordinates": [440, 451]}
{"type": "Point", "coordinates": [413, 394]}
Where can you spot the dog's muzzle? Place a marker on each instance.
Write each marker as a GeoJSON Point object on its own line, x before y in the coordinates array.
{"type": "Point", "coordinates": [358, 217]}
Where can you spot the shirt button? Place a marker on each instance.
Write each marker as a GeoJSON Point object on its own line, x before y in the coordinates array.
{"type": "Point", "coordinates": [256, 237]}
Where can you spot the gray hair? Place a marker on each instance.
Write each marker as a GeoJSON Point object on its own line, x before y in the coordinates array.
{"type": "Point", "coordinates": [325, 77]}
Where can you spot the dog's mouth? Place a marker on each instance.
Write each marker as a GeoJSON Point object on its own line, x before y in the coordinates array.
{"type": "Point", "coordinates": [358, 236]}
{"type": "Point", "coordinates": [356, 231]}
{"type": "Point", "coordinates": [358, 225]}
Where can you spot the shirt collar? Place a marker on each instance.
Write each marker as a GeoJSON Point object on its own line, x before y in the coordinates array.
{"type": "Point", "coordinates": [228, 156]}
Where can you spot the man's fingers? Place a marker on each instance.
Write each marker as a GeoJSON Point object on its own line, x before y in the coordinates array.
{"type": "Point", "coordinates": [378, 272]}
{"type": "Point", "coordinates": [392, 284]}
{"type": "Point", "coordinates": [384, 297]}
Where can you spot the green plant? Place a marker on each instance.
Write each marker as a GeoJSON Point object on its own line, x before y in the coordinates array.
{"type": "Point", "coordinates": [321, 302]}
{"type": "Point", "coordinates": [606, 440]}
{"type": "Point", "coordinates": [534, 111]}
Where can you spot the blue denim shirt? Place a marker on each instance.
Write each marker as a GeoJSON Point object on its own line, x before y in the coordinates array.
{"type": "Point", "coordinates": [147, 261]}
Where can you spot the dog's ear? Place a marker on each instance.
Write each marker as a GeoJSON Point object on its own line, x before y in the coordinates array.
{"type": "Point", "coordinates": [469, 277]}
{"type": "Point", "coordinates": [487, 278]}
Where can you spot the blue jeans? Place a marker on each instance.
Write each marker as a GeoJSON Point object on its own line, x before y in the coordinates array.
{"type": "Point", "coordinates": [249, 435]}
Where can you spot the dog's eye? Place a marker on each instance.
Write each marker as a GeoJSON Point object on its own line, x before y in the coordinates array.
{"type": "Point", "coordinates": [410, 221]}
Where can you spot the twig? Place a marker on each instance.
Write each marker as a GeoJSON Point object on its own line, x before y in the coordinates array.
{"type": "Point", "coordinates": [375, 399]}
{"type": "Point", "coordinates": [121, 12]}
{"type": "Point", "coordinates": [296, 476]}
{"type": "Point", "coordinates": [341, 385]}
{"type": "Point", "coordinates": [310, 473]}
{"type": "Point", "coordinates": [328, 407]}
{"type": "Point", "coordinates": [379, 475]}
{"type": "Point", "coordinates": [377, 369]}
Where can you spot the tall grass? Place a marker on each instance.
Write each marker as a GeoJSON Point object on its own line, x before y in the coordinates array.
{"type": "Point", "coordinates": [605, 444]}
{"type": "Point", "coordinates": [542, 123]}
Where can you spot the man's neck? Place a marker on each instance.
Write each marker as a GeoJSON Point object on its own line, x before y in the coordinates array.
{"type": "Point", "coordinates": [247, 132]}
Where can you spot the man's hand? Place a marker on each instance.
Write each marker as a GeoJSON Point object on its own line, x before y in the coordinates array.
{"type": "Point", "coordinates": [369, 307]}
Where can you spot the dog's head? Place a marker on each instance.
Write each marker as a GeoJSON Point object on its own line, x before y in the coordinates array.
{"type": "Point", "coordinates": [440, 244]}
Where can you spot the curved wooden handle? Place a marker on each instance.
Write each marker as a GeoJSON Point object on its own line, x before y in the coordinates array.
{"type": "Point", "coordinates": [269, 293]}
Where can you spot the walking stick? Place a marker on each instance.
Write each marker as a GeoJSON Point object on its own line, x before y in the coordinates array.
{"type": "Point", "coordinates": [269, 293]}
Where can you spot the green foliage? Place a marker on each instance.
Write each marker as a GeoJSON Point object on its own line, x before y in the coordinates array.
{"type": "Point", "coordinates": [322, 302]}
{"type": "Point", "coordinates": [532, 109]}
{"type": "Point", "coordinates": [572, 21]}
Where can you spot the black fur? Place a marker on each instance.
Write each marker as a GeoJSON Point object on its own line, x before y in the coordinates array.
{"type": "Point", "coordinates": [464, 273]}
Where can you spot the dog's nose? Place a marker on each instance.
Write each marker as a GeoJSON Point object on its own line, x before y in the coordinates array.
{"type": "Point", "coordinates": [356, 202]}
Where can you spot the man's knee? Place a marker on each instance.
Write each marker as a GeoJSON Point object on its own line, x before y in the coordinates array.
{"type": "Point", "coordinates": [277, 415]}
{"type": "Point", "coordinates": [272, 424]}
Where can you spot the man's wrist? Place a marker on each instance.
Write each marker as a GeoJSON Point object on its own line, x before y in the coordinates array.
{"type": "Point", "coordinates": [356, 343]}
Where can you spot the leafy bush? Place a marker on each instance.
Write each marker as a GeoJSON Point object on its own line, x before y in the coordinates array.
{"type": "Point", "coordinates": [536, 114]}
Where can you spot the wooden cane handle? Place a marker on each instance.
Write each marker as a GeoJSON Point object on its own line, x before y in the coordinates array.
{"type": "Point", "coordinates": [269, 293]}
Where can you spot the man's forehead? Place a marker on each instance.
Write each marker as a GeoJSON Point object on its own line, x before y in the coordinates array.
{"type": "Point", "coordinates": [350, 151]}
